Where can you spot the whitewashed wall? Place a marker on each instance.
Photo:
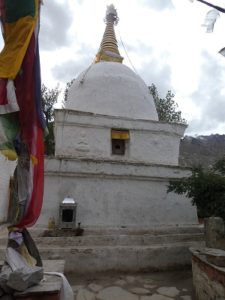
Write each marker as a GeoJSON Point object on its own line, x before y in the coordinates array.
{"type": "Point", "coordinates": [114, 195]}
{"type": "Point", "coordinates": [86, 135]}
{"type": "Point", "coordinates": [114, 191]}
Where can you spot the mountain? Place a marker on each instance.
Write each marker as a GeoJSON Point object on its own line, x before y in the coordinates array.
{"type": "Point", "coordinates": [204, 150]}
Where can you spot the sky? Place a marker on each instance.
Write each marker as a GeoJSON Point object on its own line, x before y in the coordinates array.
{"type": "Point", "coordinates": [163, 41]}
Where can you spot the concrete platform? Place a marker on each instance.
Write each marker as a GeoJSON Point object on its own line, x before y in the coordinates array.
{"type": "Point", "coordinates": [121, 249]}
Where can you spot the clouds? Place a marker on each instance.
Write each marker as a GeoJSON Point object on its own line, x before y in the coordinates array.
{"type": "Point", "coordinates": [210, 96]}
{"type": "Point", "coordinates": [56, 20]}
{"type": "Point", "coordinates": [164, 41]}
{"type": "Point", "coordinates": [159, 74]}
{"type": "Point", "coordinates": [150, 64]}
{"type": "Point", "coordinates": [71, 69]}
{"type": "Point", "coordinates": [76, 59]}
{"type": "Point", "coordinates": [158, 4]}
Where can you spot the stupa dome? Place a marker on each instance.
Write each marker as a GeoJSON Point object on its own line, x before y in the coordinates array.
{"type": "Point", "coordinates": [108, 87]}
{"type": "Point", "coordinates": [111, 88]}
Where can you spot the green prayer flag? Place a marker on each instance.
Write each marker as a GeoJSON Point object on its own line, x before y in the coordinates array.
{"type": "Point", "coordinates": [9, 129]}
{"type": "Point", "coordinates": [16, 9]}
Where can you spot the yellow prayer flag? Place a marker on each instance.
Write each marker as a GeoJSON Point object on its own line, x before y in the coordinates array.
{"type": "Point", "coordinates": [17, 38]}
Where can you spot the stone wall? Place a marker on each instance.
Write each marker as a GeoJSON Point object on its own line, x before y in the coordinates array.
{"type": "Point", "coordinates": [215, 233]}
{"type": "Point", "coordinates": [209, 280]}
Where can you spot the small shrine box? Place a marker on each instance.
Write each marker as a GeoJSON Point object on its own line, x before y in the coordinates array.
{"type": "Point", "coordinates": [67, 214]}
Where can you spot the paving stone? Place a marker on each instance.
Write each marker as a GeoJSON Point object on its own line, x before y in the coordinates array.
{"type": "Point", "coordinates": [146, 298]}
{"type": "Point", "coordinates": [95, 287]}
{"type": "Point", "coordinates": [75, 288]}
{"type": "Point", "coordinates": [186, 297]}
{"type": "Point", "coordinates": [130, 279]}
{"type": "Point", "coordinates": [168, 291]}
{"type": "Point", "coordinates": [150, 286]}
{"type": "Point", "coordinates": [84, 294]}
{"type": "Point", "coordinates": [140, 291]}
{"type": "Point", "coordinates": [120, 282]}
{"type": "Point", "coordinates": [155, 297]}
{"type": "Point", "coordinates": [148, 281]}
{"type": "Point", "coordinates": [115, 293]}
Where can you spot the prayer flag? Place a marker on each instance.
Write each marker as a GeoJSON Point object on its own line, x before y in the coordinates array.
{"type": "Point", "coordinates": [20, 106]}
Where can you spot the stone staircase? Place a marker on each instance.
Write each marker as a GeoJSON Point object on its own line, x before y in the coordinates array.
{"type": "Point", "coordinates": [126, 250]}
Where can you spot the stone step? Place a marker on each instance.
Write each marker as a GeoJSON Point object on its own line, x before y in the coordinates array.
{"type": "Point", "coordinates": [122, 258]}
{"type": "Point", "coordinates": [89, 231]}
{"type": "Point", "coordinates": [120, 250]}
{"type": "Point", "coordinates": [160, 230]}
{"type": "Point", "coordinates": [114, 240]}
{"type": "Point", "coordinates": [81, 259]}
{"type": "Point", "coordinates": [136, 231]}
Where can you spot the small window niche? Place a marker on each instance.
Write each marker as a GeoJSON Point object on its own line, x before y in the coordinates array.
{"type": "Point", "coordinates": [119, 141]}
{"type": "Point", "coordinates": [67, 213]}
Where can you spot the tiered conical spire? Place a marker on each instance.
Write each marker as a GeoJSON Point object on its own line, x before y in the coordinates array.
{"type": "Point", "coordinates": [109, 49]}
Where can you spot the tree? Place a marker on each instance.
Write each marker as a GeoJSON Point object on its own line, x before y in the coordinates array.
{"type": "Point", "coordinates": [205, 188]}
{"type": "Point", "coordinates": [68, 85]}
{"type": "Point", "coordinates": [219, 166]}
{"type": "Point", "coordinates": [166, 107]}
{"type": "Point", "coordinates": [49, 98]}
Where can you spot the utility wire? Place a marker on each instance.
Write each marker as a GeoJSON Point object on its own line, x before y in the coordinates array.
{"type": "Point", "coordinates": [125, 50]}
{"type": "Point", "coordinates": [221, 9]}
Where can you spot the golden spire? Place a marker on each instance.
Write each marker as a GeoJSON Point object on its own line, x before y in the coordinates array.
{"type": "Point", "coordinates": [109, 49]}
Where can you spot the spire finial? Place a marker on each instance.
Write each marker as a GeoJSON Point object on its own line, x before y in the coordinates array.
{"type": "Point", "coordinates": [109, 49]}
{"type": "Point", "coordinates": [111, 15]}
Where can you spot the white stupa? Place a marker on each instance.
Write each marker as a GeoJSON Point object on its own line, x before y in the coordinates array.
{"type": "Point", "coordinates": [112, 155]}
{"type": "Point", "coordinates": [108, 87]}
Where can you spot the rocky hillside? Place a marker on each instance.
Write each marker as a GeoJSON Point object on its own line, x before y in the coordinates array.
{"type": "Point", "coordinates": [204, 150]}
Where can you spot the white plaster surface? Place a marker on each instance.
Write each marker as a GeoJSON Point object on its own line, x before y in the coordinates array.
{"type": "Point", "coordinates": [89, 136]}
{"type": "Point", "coordinates": [115, 190]}
{"type": "Point", "coordinates": [113, 194]}
{"type": "Point", "coordinates": [113, 89]}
